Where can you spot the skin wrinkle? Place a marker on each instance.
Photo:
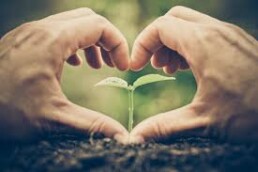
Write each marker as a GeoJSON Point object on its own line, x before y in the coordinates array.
{"type": "Point", "coordinates": [242, 33]}
{"type": "Point", "coordinates": [101, 127]}
{"type": "Point", "coordinates": [235, 43]}
{"type": "Point", "coordinates": [161, 129]}
{"type": "Point", "coordinates": [232, 85]}
{"type": "Point", "coordinates": [41, 38]}
{"type": "Point", "coordinates": [211, 61]}
{"type": "Point", "coordinates": [147, 50]}
{"type": "Point", "coordinates": [156, 129]}
{"type": "Point", "coordinates": [113, 49]}
{"type": "Point", "coordinates": [57, 106]}
{"type": "Point", "coordinates": [96, 125]}
{"type": "Point", "coordinates": [4, 52]}
{"type": "Point", "coordinates": [20, 39]}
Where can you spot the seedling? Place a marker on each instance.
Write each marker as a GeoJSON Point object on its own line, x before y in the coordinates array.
{"type": "Point", "coordinates": [120, 83]}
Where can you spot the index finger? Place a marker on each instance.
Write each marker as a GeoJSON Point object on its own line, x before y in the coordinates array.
{"type": "Point", "coordinates": [166, 30]}
{"type": "Point", "coordinates": [86, 31]}
{"type": "Point", "coordinates": [116, 45]}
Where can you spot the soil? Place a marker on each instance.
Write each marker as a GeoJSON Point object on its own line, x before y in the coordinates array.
{"type": "Point", "coordinates": [69, 152]}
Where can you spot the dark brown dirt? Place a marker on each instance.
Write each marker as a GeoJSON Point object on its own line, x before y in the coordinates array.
{"type": "Point", "coordinates": [77, 153]}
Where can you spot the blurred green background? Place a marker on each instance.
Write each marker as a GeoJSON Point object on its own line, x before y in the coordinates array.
{"type": "Point", "coordinates": [130, 16]}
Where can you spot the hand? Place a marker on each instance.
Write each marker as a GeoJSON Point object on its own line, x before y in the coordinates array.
{"type": "Point", "coordinates": [31, 62]}
{"type": "Point", "coordinates": [223, 59]}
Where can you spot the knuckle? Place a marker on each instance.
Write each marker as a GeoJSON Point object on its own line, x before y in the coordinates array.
{"type": "Point", "coordinates": [45, 31]}
{"type": "Point", "coordinates": [209, 33]}
{"type": "Point", "coordinates": [176, 10]}
{"type": "Point", "coordinates": [34, 32]}
{"type": "Point", "coordinates": [27, 26]}
{"type": "Point", "coordinates": [100, 20]}
{"type": "Point", "coordinates": [231, 27]}
{"type": "Point", "coordinates": [85, 10]}
{"type": "Point", "coordinates": [160, 23]}
{"type": "Point", "coordinates": [40, 28]}
{"type": "Point", "coordinates": [161, 20]}
{"type": "Point", "coordinates": [38, 33]}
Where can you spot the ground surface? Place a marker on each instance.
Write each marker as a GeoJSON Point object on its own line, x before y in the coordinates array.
{"type": "Point", "coordinates": [72, 153]}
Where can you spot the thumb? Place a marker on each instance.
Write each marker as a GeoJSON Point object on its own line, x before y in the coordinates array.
{"type": "Point", "coordinates": [185, 121]}
{"type": "Point", "coordinates": [88, 121]}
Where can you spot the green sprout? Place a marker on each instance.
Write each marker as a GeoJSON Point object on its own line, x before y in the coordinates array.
{"type": "Point", "coordinates": [120, 83]}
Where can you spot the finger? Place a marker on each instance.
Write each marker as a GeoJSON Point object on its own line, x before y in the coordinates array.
{"type": "Point", "coordinates": [161, 57]}
{"type": "Point", "coordinates": [106, 58]}
{"type": "Point", "coordinates": [74, 60]}
{"type": "Point", "coordinates": [183, 65]}
{"type": "Point", "coordinates": [190, 15]}
{"type": "Point", "coordinates": [174, 124]}
{"type": "Point", "coordinates": [88, 121]}
{"type": "Point", "coordinates": [168, 59]}
{"type": "Point", "coordinates": [170, 69]}
{"type": "Point", "coordinates": [113, 42]}
{"type": "Point", "coordinates": [93, 57]}
{"type": "Point", "coordinates": [101, 31]}
{"type": "Point", "coordinates": [173, 64]}
{"type": "Point", "coordinates": [169, 31]}
{"type": "Point", "coordinates": [80, 12]}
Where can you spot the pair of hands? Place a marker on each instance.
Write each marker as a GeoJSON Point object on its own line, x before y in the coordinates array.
{"type": "Point", "coordinates": [222, 57]}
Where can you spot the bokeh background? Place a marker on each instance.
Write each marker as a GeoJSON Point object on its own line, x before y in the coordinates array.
{"type": "Point", "coordinates": [130, 16]}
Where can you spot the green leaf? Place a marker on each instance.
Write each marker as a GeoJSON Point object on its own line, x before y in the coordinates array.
{"type": "Point", "coordinates": [113, 82]}
{"type": "Point", "coordinates": [147, 79]}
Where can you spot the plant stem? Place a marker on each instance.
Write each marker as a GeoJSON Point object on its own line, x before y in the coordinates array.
{"type": "Point", "coordinates": [131, 108]}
